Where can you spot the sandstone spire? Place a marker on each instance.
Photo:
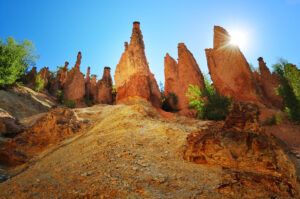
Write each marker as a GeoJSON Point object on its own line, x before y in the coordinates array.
{"type": "Point", "coordinates": [269, 83]}
{"type": "Point", "coordinates": [229, 70]}
{"type": "Point", "coordinates": [104, 88]}
{"type": "Point", "coordinates": [45, 75]}
{"type": "Point", "coordinates": [178, 76]}
{"type": "Point", "coordinates": [74, 87]}
{"type": "Point", "coordinates": [132, 76]}
{"type": "Point", "coordinates": [87, 78]}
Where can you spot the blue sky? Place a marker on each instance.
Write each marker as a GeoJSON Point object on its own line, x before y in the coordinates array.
{"type": "Point", "coordinates": [61, 28]}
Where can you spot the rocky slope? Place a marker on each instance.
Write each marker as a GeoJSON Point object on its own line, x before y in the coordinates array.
{"type": "Point", "coordinates": [128, 151]}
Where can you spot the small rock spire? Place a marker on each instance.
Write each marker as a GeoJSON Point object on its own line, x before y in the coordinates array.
{"type": "Point", "coordinates": [78, 61]}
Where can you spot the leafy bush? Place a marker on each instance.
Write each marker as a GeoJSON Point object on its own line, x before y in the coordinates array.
{"type": "Point", "coordinates": [69, 103]}
{"type": "Point", "coordinates": [287, 88]}
{"type": "Point", "coordinates": [271, 121]}
{"type": "Point", "coordinates": [15, 58]}
{"type": "Point", "coordinates": [208, 102]}
{"type": "Point", "coordinates": [60, 96]}
{"type": "Point", "coordinates": [39, 83]}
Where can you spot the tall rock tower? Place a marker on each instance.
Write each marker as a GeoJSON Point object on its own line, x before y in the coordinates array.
{"type": "Point", "coordinates": [229, 70]}
{"type": "Point", "coordinates": [132, 76]}
{"type": "Point", "coordinates": [178, 76]}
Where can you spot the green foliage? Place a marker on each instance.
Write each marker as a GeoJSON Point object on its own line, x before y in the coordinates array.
{"type": "Point", "coordinates": [15, 58]}
{"type": "Point", "coordinates": [271, 121]}
{"type": "Point", "coordinates": [39, 83]}
{"type": "Point", "coordinates": [60, 96]}
{"type": "Point", "coordinates": [169, 102]}
{"type": "Point", "coordinates": [69, 103]}
{"type": "Point", "coordinates": [208, 102]}
{"type": "Point", "coordinates": [287, 89]}
{"type": "Point", "coordinates": [60, 99]}
{"type": "Point", "coordinates": [293, 76]}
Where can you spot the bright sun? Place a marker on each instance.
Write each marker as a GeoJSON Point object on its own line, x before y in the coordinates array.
{"type": "Point", "coordinates": [238, 38]}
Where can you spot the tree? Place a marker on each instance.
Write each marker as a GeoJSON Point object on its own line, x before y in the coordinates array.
{"type": "Point", "coordinates": [15, 58]}
{"type": "Point", "coordinates": [289, 88]}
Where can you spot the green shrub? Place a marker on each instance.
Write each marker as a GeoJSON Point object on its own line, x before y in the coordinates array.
{"type": "Point", "coordinates": [271, 121]}
{"type": "Point", "coordinates": [60, 96]}
{"type": "Point", "coordinates": [15, 58]}
{"type": "Point", "coordinates": [69, 103]}
{"type": "Point", "coordinates": [39, 83]}
{"type": "Point", "coordinates": [214, 107]}
{"type": "Point", "coordinates": [287, 91]}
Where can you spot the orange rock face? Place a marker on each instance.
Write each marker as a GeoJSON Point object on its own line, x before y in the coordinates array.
{"type": "Point", "coordinates": [93, 88]}
{"type": "Point", "coordinates": [178, 76]}
{"type": "Point", "coordinates": [51, 129]}
{"type": "Point", "coordinates": [257, 162]}
{"type": "Point", "coordinates": [132, 76]}
{"type": "Point", "coordinates": [229, 70]}
{"type": "Point", "coordinates": [269, 82]}
{"type": "Point", "coordinates": [104, 88]}
{"type": "Point", "coordinates": [74, 87]}
{"type": "Point", "coordinates": [45, 75]}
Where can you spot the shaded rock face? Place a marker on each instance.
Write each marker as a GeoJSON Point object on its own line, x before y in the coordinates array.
{"type": "Point", "coordinates": [229, 70]}
{"type": "Point", "coordinates": [63, 72]}
{"type": "Point", "coordinates": [74, 87]}
{"type": "Point", "coordinates": [58, 82]}
{"type": "Point", "coordinates": [9, 126]}
{"type": "Point", "coordinates": [87, 83]}
{"type": "Point", "coordinates": [179, 76]}
{"type": "Point", "coordinates": [268, 83]}
{"type": "Point", "coordinates": [132, 76]}
{"type": "Point", "coordinates": [52, 128]}
{"type": "Point", "coordinates": [31, 77]}
{"type": "Point", "coordinates": [44, 73]}
{"type": "Point", "coordinates": [93, 88]}
{"type": "Point", "coordinates": [104, 88]}
{"type": "Point", "coordinates": [255, 164]}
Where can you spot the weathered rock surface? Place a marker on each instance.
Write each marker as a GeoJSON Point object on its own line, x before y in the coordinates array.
{"type": "Point", "coordinates": [104, 88]}
{"type": "Point", "coordinates": [74, 87]}
{"type": "Point", "coordinates": [269, 83]}
{"type": "Point", "coordinates": [52, 128]}
{"type": "Point", "coordinates": [132, 152]}
{"type": "Point", "coordinates": [31, 77]}
{"type": "Point", "coordinates": [44, 73]}
{"type": "Point", "coordinates": [132, 76]}
{"type": "Point", "coordinates": [229, 70]}
{"type": "Point", "coordinates": [179, 76]}
{"type": "Point", "coordinates": [9, 126]}
{"type": "Point", "coordinates": [58, 82]}
{"type": "Point", "coordinates": [258, 166]}
{"type": "Point", "coordinates": [93, 88]}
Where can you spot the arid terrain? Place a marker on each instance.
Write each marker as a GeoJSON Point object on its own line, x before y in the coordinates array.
{"type": "Point", "coordinates": [76, 137]}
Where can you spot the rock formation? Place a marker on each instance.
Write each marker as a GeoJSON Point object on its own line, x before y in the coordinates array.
{"type": "Point", "coordinates": [93, 88]}
{"type": "Point", "coordinates": [87, 83]}
{"type": "Point", "coordinates": [63, 72]}
{"type": "Point", "coordinates": [44, 73]}
{"type": "Point", "coordinates": [74, 87]}
{"type": "Point", "coordinates": [31, 77]}
{"type": "Point", "coordinates": [87, 78]}
{"type": "Point", "coordinates": [58, 82]}
{"type": "Point", "coordinates": [229, 70]}
{"type": "Point", "coordinates": [179, 76]}
{"type": "Point", "coordinates": [256, 161]}
{"type": "Point", "coordinates": [132, 76]}
{"type": "Point", "coordinates": [269, 82]}
{"type": "Point", "coordinates": [104, 88]}
{"type": "Point", "coordinates": [52, 128]}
